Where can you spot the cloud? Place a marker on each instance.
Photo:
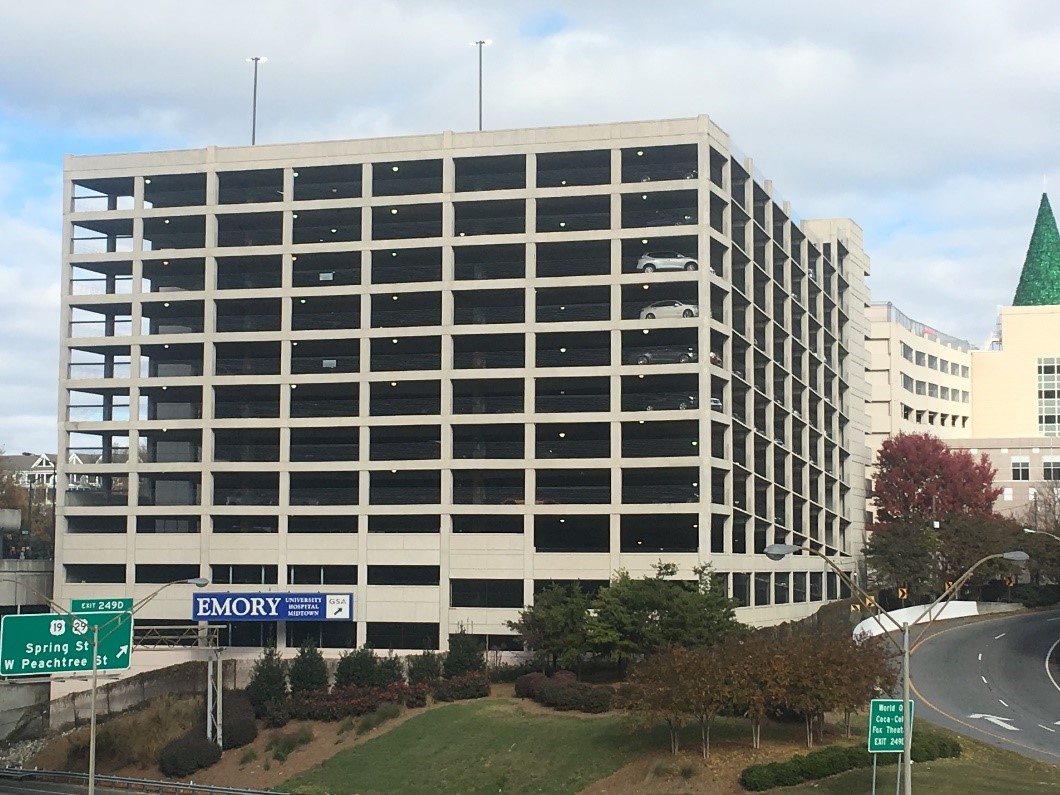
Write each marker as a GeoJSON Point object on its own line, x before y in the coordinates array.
{"type": "Point", "coordinates": [930, 124]}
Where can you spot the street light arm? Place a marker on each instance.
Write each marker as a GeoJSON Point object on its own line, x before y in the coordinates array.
{"type": "Point", "coordinates": [781, 550]}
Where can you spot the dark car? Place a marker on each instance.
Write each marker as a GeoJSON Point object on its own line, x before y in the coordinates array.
{"type": "Point", "coordinates": [661, 356]}
{"type": "Point", "coordinates": [672, 401]}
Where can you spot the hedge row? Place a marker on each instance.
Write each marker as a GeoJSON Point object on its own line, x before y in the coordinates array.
{"type": "Point", "coordinates": [351, 701]}
{"type": "Point", "coordinates": [838, 759]}
{"type": "Point", "coordinates": [562, 692]}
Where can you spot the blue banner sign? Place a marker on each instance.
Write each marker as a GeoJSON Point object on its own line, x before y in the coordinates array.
{"type": "Point", "coordinates": [224, 607]}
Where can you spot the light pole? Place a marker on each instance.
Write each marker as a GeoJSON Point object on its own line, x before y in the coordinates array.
{"type": "Point", "coordinates": [480, 43]}
{"type": "Point", "coordinates": [780, 551]}
{"type": "Point", "coordinates": [1042, 533]}
{"type": "Point", "coordinates": [198, 582]}
{"type": "Point", "coordinates": [256, 59]}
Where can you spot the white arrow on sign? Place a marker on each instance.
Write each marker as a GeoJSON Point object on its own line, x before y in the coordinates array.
{"type": "Point", "coordinates": [996, 721]}
{"type": "Point", "coordinates": [121, 650]}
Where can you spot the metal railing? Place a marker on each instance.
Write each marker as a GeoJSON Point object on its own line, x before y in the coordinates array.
{"type": "Point", "coordinates": [124, 782]}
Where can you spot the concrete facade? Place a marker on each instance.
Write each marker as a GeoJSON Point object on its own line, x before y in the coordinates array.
{"type": "Point", "coordinates": [432, 372]}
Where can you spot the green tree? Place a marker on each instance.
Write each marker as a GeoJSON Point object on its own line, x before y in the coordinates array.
{"type": "Point", "coordinates": [555, 626]}
{"type": "Point", "coordinates": [1043, 513]}
{"type": "Point", "coordinates": [308, 671]}
{"type": "Point", "coordinates": [902, 554]}
{"type": "Point", "coordinates": [267, 688]}
{"type": "Point", "coordinates": [635, 617]}
{"type": "Point", "coordinates": [464, 656]}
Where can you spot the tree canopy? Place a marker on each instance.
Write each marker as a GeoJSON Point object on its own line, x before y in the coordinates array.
{"type": "Point", "coordinates": [934, 515]}
{"type": "Point", "coordinates": [631, 618]}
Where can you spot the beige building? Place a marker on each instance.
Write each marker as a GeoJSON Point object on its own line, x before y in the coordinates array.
{"type": "Point", "coordinates": [440, 372]}
{"type": "Point", "coordinates": [1016, 380]}
{"type": "Point", "coordinates": [919, 378]}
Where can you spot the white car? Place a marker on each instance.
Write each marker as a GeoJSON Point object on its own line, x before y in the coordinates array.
{"type": "Point", "coordinates": [666, 261]}
{"type": "Point", "coordinates": [669, 309]}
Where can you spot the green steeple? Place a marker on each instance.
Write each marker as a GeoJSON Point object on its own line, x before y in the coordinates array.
{"type": "Point", "coordinates": [1040, 280]}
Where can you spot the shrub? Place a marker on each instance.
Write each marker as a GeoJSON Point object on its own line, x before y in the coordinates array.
{"type": "Point", "coordinates": [838, 759]}
{"type": "Point", "coordinates": [282, 744]}
{"type": "Point", "coordinates": [188, 753]}
{"type": "Point", "coordinates": [464, 656]}
{"type": "Point", "coordinates": [355, 668]}
{"type": "Point", "coordinates": [308, 670]}
{"type": "Point", "coordinates": [344, 702]}
{"type": "Point", "coordinates": [417, 695]}
{"type": "Point", "coordinates": [561, 696]}
{"type": "Point", "coordinates": [248, 756]}
{"type": "Point", "coordinates": [564, 676]}
{"type": "Point", "coordinates": [425, 668]}
{"type": "Point", "coordinates": [509, 672]}
{"type": "Point", "coordinates": [1036, 595]}
{"type": "Point", "coordinates": [527, 684]}
{"type": "Point", "coordinates": [238, 725]}
{"type": "Point", "coordinates": [595, 699]}
{"type": "Point", "coordinates": [277, 714]}
{"type": "Point", "coordinates": [268, 682]}
{"type": "Point", "coordinates": [386, 712]}
{"type": "Point", "coordinates": [458, 688]}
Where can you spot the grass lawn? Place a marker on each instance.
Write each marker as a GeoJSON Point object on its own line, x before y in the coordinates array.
{"type": "Point", "coordinates": [483, 746]}
{"type": "Point", "coordinates": [981, 768]}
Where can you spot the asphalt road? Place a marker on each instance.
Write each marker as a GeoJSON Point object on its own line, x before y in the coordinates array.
{"type": "Point", "coordinates": [988, 680]}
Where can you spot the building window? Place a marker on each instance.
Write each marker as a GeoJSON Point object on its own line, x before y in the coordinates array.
{"type": "Point", "coordinates": [933, 362]}
{"type": "Point", "coordinates": [944, 366]}
{"type": "Point", "coordinates": [1051, 467]}
{"type": "Point", "coordinates": [1021, 468]}
{"type": "Point", "coordinates": [921, 388]}
{"type": "Point", "coordinates": [944, 393]}
{"type": "Point", "coordinates": [921, 358]}
{"type": "Point", "coordinates": [907, 383]}
{"type": "Point", "coordinates": [933, 390]}
{"type": "Point", "coordinates": [907, 352]}
{"type": "Point", "coordinates": [1048, 402]}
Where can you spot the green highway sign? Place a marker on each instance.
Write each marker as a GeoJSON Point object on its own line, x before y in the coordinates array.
{"type": "Point", "coordinates": [887, 725]}
{"type": "Point", "coordinates": [93, 605]}
{"type": "Point", "coordinates": [50, 643]}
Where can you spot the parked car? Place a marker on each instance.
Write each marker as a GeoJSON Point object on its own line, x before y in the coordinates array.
{"type": "Point", "coordinates": [669, 309]}
{"type": "Point", "coordinates": [661, 355]}
{"type": "Point", "coordinates": [666, 261]}
{"type": "Point", "coordinates": [672, 401]}
{"type": "Point", "coordinates": [716, 404]}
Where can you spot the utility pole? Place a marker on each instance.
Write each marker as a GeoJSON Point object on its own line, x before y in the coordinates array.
{"type": "Point", "coordinates": [480, 44]}
{"type": "Point", "coordinates": [256, 59]}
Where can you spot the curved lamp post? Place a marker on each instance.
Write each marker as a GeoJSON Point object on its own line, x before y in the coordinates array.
{"type": "Point", "coordinates": [780, 551]}
{"type": "Point", "coordinates": [198, 582]}
{"type": "Point", "coordinates": [1041, 533]}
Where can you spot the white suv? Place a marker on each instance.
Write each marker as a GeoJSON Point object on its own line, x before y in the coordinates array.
{"type": "Point", "coordinates": [666, 261]}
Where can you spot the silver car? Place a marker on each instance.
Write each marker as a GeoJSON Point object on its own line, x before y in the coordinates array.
{"type": "Point", "coordinates": [666, 261]}
{"type": "Point", "coordinates": [669, 309]}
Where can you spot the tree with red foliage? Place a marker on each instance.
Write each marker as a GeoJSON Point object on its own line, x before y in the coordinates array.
{"type": "Point", "coordinates": [935, 512]}
{"type": "Point", "coordinates": [920, 479]}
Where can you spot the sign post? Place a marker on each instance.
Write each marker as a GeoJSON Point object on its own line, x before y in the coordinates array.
{"type": "Point", "coordinates": [38, 644]}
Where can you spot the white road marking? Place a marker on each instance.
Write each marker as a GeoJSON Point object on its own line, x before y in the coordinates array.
{"type": "Point", "coordinates": [1047, 728]}
{"type": "Point", "coordinates": [1049, 656]}
{"type": "Point", "coordinates": [996, 637]}
{"type": "Point", "coordinates": [1002, 702]}
{"type": "Point", "coordinates": [995, 720]}
{"type": "Point", "coordinates": [1052, 619]}
{"type": "Point", "coordinates": [980, 656]}
{"type": "Point", "coordinates": [984, 679]}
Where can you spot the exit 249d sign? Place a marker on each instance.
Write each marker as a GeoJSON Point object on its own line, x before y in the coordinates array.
{"type": "Point", "coordinates": [224, 607]}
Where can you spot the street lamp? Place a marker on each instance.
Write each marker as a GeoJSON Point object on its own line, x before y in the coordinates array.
{"type": "Point", "coordinates": [480, 44]}
{"type": "Point", "coordinates": [780, 551]}
{"type": "Point", "coordinates": [198, 582]}
{"type": "Point", "coordinates": [255, 59]}
{"type": "Point", "coordinates": [1041, 533]}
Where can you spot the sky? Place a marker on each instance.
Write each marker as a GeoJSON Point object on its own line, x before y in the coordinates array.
{"type": "Point", "coordinates": [934, 125]}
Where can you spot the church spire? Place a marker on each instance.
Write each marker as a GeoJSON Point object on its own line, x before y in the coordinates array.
{"type": "Point", "coordinates": [1040, 280]}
